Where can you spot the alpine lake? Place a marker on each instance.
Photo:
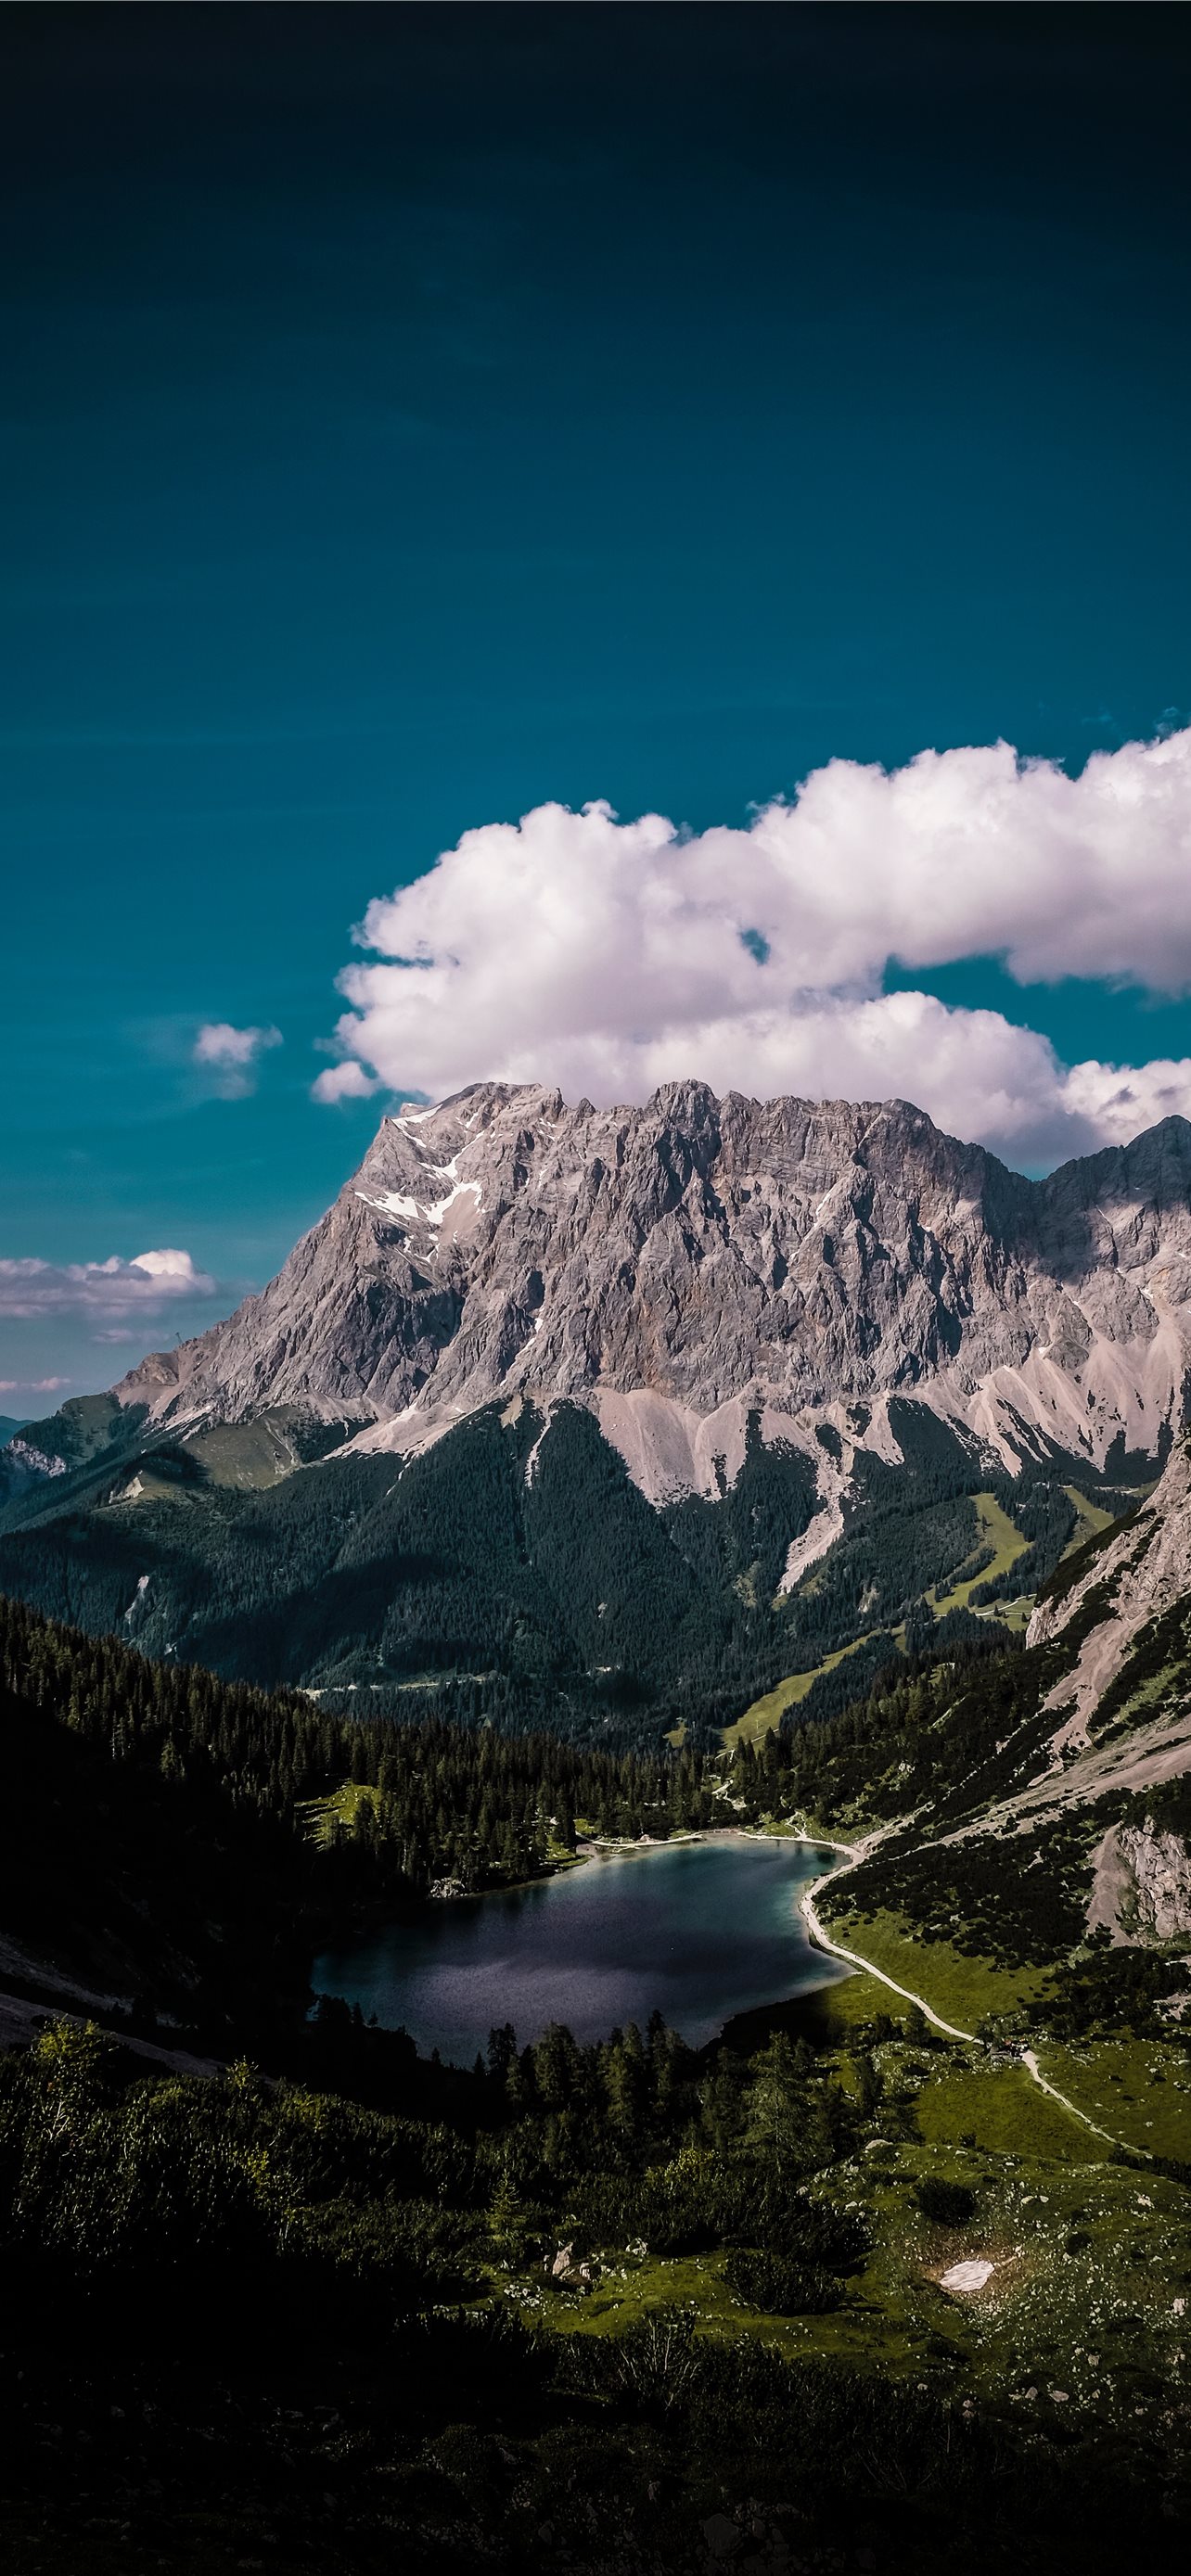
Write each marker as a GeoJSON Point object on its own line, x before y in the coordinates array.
{"type": "Point", "coordinates": [698, 1930]}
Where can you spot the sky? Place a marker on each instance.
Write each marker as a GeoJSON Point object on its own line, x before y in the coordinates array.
{"type": "Point", "coordinates": [749, 444]}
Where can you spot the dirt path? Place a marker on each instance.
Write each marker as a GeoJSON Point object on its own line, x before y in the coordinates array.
{"type": "Point", "coordinates": [1028, 2058]}
{"type": "Point", "coordinates": [824, 1941]}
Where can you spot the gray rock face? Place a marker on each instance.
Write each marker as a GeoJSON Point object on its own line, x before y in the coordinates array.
{"type": "Point", "coordinates": [677, 1265]}
{"type": "Point", "coordinates": [1160, 1864]}
{"type": "Point", "coordinates": [1136, 1578]}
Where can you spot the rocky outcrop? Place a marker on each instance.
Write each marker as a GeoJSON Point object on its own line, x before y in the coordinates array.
{"type": "Point", "coordinates": [686, 1265]}
{"type": "Point", "coordinates": [23, 1459]}
{"type": "Point", "coordinates": [1160, 1867]}
{"type": "Point", "coordinates": [1143, 1573]}
{"type": "Point", "coordinates": [1141, 1884]}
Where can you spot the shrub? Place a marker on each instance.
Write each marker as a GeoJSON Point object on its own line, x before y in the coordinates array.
{"type": "Point", "coordinates": [779, 2285]}
{"type": "Point", "coordinates": [950, 2204]}
{"type": "Point", "coordinates": [813, 2232]}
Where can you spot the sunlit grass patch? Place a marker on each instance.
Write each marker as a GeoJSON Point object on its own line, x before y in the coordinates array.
{"type": "Point", "coordinates": [995, 1530]}
{"type": "Point", "coordinates": [767, 1713]}
{"type": "Point", "coordinates": [963, 1990]}
{"type": "Point", "coordinates": [629, 2289]}
{"type": "Point", "coordinates": [339, 1808]}
{"type": "Point", "coordinates": [859, 2332]}
{"type": "Point", "coordinates": [1091, 1518]}
{"type": "Point", "coordinates": [850, 2003]}
{"type": "Point", "coordinates": [1000, 2107]}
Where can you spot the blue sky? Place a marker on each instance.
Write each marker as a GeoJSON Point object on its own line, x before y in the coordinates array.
{"type": "Point", "coordinates": [420, 417]}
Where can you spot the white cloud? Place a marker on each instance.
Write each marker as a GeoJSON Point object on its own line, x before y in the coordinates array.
{"type": "Point", "coordinates": [609, 956]}
{"type": "Point", "coordinates": [175, 1270]}
{"type": "Point", "coordinates": [1119, 1100]}
{"type": "Point", "coordinates": [231, 1054]}
{"type": "Point", "coordinates": [347, 1081]}
{"type": "Point", "coordinates": [145, 1285]}
{"type": "Point", "coordinates": [32, 1385]}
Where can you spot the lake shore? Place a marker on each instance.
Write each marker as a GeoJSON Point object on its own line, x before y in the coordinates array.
{"type": "Point", "coordinates": [624, 1847]}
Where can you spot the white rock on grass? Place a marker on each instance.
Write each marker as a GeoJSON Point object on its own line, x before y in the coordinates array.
{"type": "Point", "coordinates": [967, 2277]}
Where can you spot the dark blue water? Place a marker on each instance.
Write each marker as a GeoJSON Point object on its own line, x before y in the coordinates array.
{"type": "Point", "coordinates": [698, 1931]}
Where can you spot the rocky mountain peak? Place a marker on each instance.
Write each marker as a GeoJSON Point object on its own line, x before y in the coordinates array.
{"type": "Point", "coordinates": [679, 1265]}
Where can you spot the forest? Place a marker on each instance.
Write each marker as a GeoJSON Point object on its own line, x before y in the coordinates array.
{"type": "Point", "coordinates": [559, 1600]}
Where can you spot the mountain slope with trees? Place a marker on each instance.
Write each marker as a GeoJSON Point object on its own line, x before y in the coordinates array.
{"type": "Point", "coordinates": [609, 1421]}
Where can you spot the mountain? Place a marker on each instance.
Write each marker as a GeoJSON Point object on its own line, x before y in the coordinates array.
{"type": "Point", "coordinates": [8, 1425]}
{"type": "Point", "coordinates": [1114, 1627]}
{"type": "Point", "coordinates": [1029, 1811]}
{"type": "Point", "coordinates": [638, 1409]}
{"type": "Point", "coordinates": [677, 1265]}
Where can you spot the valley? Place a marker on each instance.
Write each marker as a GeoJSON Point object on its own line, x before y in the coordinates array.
{"type": "Point", "coordinates": [617, 1422]}
{"type": "Point", "coordinates": [409, 1807]}
{"type": "Point", "coordinates": [833, 2213]}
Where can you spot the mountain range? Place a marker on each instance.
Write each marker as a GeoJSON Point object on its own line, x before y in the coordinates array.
{"type": "Point", "coordinates": [622, 1415]}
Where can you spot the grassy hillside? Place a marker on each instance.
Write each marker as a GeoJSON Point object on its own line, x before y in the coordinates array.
{"type": "Point", "coordinates": [767, 1712]}
{"type": "Point", "coordinates": [600, 2303]}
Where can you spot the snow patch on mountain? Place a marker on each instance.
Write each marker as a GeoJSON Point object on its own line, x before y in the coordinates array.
{"type": "Point", "coordinates": [413, 1211]}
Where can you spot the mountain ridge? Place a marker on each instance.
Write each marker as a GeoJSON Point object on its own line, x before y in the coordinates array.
{"type": "Point", "coordinates": [698, 1259]}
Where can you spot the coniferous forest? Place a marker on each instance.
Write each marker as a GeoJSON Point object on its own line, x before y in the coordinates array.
{"type": "Point", "coordinates": [283, 2292]}
{"type": "Point", "coordinates": [164, 1826]}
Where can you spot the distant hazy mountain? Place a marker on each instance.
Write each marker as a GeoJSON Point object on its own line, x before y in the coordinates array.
{"type": "Point", "coordinates": [690, 1354]}
{"type": "Point", "coordinates": [8, 1425]}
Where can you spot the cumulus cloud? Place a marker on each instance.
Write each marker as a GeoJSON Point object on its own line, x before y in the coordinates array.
{"type": "Point", "coordinates": [146, 1285]}
{"type": "Point", "coordinates": [231, 1055]}
{"type": "Point", "coordinates": [1119, 1100]}
{"type": "Point", "coordinates": [347, 1081]}
{"type": "Point", "coordinates": [32, 1385]}
{"type": "Point", "coordinates": [609, 956]}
